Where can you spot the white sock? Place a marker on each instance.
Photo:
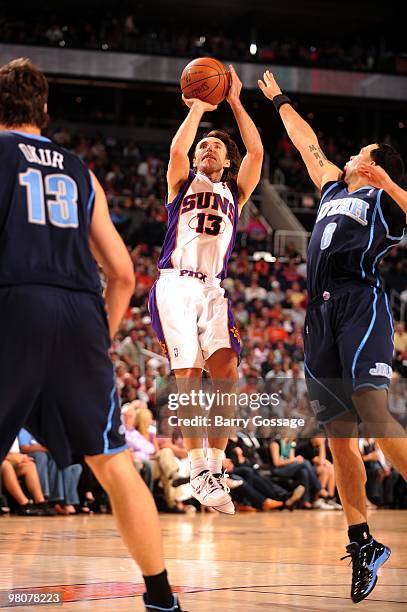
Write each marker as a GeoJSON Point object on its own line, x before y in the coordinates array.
{"type": "Point", "coordinates": [215, 457]}
{"type": "Point", "coordinates": [197, 461]}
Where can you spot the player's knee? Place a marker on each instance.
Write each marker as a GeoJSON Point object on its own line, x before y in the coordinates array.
{"type": "Point", "coordinates": [223, 365]}
{"type": "Point", "coordinates": [225, 371]}
{"type": "Point", "coordinates": [166, 453]}
{"type": "Point", "coordinates": [108, 468]}
{"type": "Point", "coordinates": [303, 472]}
{"type": "Point", "coordinates": [6, 468]}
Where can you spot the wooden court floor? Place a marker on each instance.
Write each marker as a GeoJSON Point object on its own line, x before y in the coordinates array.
{"type": "Point", "coordinates": [246, 563]}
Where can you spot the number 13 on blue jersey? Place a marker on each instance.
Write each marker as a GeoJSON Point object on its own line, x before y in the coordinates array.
{"type": "Point", "coordinates": [62, 203]}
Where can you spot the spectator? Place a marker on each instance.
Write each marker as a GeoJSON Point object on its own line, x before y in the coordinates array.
{"type": "Point", "coordinates": [314, 450]}
{"type": "Point", "coordinates": [381, 477]}
{"type": "Point", "coordinates": [59, 486]}
{"type": "Point", "coordinates": [276, 332]}
{"type": "Point", "coordinates": [271, 491]}
{"type": "Point", "coordinates": [287, 465]}
{"type": "Point", "coordinates": [256, 232]}
{"type": "Point", "coordinates": [254, 291]}
{"type": "Point", "coordinates": [245, 494]}
{"type": "Point", "coordinates": [130, 348]}
{"type": "Point", "coordinates": [400, 337]}
{"type": "Point", "coordinates": [398, 401]}
{"type": "Point", "coordinates": [4, 509]}
{"type": "Point", "coordinates": [15, 466]}
{"type": "Point", "coordinates": [142, 440]}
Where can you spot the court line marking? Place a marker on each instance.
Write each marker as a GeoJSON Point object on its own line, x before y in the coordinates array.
{"type": "Point", "coordinates": [265, 586]}
{"type": "Point", "coordinates": [319, 596]}
{"type": "Point", "coordinates": [93, 556]}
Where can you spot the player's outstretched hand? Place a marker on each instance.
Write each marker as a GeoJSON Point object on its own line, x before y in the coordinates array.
{"type": "Point", "coordinates": [235, 86]}
{"type": "Point", "coordinates": [204, 106]}
{"type": "Point", "coordinates": [376, 176]}
{"type": "Point", "coordinates": [269, 85]}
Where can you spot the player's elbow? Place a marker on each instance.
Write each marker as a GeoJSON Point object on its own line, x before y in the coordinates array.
{"type": "Point", "coordinates": [177, 151]}
{"type": "Point", "coordinates": [128, 279]}
{"type": "Point", "coordinates": [257, 154]}
{"type": "Point", "coordinates": [124, 276]}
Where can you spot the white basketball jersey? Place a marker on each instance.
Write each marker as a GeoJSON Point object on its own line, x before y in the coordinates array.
{"type": "Point", "coordinates": [202, 222]}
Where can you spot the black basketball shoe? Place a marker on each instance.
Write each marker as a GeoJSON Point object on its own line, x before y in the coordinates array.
{"type": "Point", "coordinates": [366, 561]}
{"type": "Point", "coordinates": [176, 607]}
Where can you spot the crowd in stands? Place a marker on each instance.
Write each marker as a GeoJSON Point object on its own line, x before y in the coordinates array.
{"type": "Point", "coordinates": [263, 474]}
{"type": "Point", "coordinates": [269, 300]}
{"type": "Point", "coordinates": [127, 33]}
{"type": "Point", "coordinates": [289, 171]}
{"type": "Point", "coordinates": [31, 484]}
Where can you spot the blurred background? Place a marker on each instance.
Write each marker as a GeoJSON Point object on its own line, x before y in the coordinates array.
{"type": "Point", "coordinates": [114, 73]}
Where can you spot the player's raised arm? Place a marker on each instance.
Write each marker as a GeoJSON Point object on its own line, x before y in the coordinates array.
{"type": "Point", "coordinates": [178, 167]}
{"type": "Point", "coordinates": [301, 134]}
{"type": "Point", "coordinates": [110, 252]}
{"type": "Point", "coordinates": [250, 169]}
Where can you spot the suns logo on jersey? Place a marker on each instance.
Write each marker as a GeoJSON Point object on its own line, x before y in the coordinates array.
{"type": "Point", "coordinates": [163, 347]}
{"type": "Point", "coordinates": [235, 332]}
{"type": "Point", "coordinates": [208, 199]}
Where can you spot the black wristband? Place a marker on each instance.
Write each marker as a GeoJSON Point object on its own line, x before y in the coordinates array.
{"type": "Point", "coordinates": [279, 100]}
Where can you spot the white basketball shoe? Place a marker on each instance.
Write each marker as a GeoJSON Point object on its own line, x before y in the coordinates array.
{"type": "Point", "coordinates": [208, 491]}
{"type": "Point", "coordinates": [226, 484]}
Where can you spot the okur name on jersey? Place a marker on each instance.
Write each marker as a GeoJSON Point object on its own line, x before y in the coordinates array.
{"type": "Point", "coordinates": [44, 157]}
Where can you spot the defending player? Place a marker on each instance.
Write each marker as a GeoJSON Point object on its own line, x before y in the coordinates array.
{"type": "Point", "coordinates": [190, 314]}
{"type": "Point", "coordinates": [348, 332]}
{"type": "Point", "coordinates": [56, 377]}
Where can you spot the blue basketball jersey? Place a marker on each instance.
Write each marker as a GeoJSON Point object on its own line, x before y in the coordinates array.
{"type": "Point", "coordinates": [46, 204]}
{"type": "Point", "coordinates": [352, 233]}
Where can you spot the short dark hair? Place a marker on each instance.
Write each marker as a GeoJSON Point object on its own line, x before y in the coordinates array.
{"type": "Point", "coordinates": [232, 151]}
{"type": "Point", "coordinates": [23, 94]}
{"type": "Point", "coordinates": [389, 159]}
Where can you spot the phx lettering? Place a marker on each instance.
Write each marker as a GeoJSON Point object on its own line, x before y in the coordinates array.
{"type": "Point", "coordinates": [192, 274]}
{"type": "Point", "coordinates": [208, 199]}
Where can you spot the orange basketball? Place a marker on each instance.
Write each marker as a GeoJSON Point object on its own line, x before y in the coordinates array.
{"type": "Point", "coordinates": [205, 78]}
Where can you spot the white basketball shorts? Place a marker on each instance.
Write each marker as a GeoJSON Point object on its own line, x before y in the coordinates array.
{"type": "Point", "coordinates": [192, 317]}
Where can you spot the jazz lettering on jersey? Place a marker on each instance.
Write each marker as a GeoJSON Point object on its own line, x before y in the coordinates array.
{"type": "Point", "coordinates": [44, 157]}
{"type": "Point", "coordinates": [208, 200]}
{"type": "Point", "coordinates": [351, 207]}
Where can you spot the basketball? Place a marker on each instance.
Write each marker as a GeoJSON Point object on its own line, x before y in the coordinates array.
{"type": "Point", "coordinates": [205, 78]}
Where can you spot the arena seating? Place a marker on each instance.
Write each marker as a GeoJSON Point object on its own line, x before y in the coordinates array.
{"type": "Point", "coordinates": [128, 32]}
